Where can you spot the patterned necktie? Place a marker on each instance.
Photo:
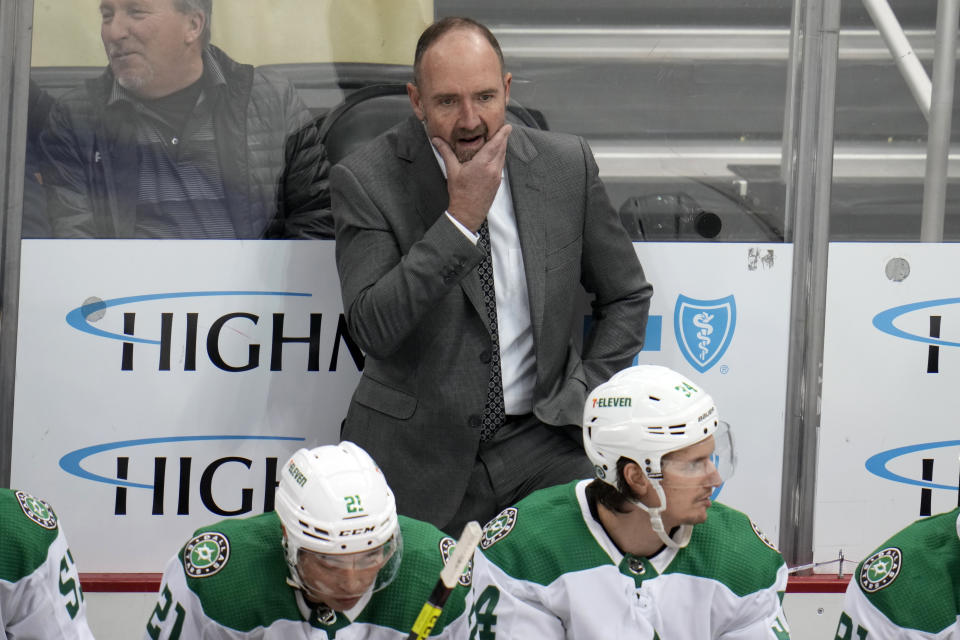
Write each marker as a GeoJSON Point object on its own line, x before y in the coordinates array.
{"type": "Point", "coordinates": [493, 411]}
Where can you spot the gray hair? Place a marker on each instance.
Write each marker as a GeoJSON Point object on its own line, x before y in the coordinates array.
{"type": "Point", "coordinates": [204, 7]}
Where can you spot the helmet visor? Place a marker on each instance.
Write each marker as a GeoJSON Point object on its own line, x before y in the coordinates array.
{"type": "Point", "coordinates": [340, 580]}
{"type": "Point", "coordinates": [709, 462]}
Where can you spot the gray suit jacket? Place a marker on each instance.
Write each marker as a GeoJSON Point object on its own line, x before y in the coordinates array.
{"type": "Point", "coordinates": [412, 301]}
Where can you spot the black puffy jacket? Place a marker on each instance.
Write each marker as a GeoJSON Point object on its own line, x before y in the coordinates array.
{"type": "Point", "coordinates": [274, 168]}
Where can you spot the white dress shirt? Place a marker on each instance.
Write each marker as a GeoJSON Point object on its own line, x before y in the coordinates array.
{"type": "Point", "coordinates": [518, 363]}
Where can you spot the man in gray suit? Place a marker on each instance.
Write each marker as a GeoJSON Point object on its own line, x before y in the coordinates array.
{"type": "Point", "coordinates": [461, 244]}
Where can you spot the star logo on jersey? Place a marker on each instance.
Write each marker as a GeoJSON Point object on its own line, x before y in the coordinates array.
{"type": "Point", "coordinates": [205, 554]}
{"type": "Point", "coordinates": [499, 527]}
{"type": "Point", "coordinates": [762, 537]}
{"type": "Point", "coordinates": [447, 545]}
{"type": "Point", "coordinates": [37, 510]}
{"type": "Point", "coordinates": [880, 569]}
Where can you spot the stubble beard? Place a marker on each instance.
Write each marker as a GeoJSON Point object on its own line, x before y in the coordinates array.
{"type": "Point", "coordinates": [131, 76]}
{"type": "Point", "coordinates": [466, 155]}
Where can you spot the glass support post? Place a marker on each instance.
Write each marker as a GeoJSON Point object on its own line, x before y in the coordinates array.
{"type": "Point", "coordinates": [16, 32]}
{"type": "Point", "coordinates": [809, 182]}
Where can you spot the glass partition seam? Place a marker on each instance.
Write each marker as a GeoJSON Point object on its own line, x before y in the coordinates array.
{"type": "Point", "coordinates": [808, 202]}
{"type": "Point", "coordinates": [16, 27]}
{"type": "Point", "coordinates": [941, 112]}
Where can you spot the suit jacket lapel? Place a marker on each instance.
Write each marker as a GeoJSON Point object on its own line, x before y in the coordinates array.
{"type": "Point", "coordinates": [426, 182]}
{"type": "Point", "coordinates": [524, 172]}
{"type": "Point", "coordinates": [428, 190]}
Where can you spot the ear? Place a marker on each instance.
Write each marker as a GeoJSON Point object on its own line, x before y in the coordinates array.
{"type": "Point", "coordinates": [507, 78]}
{"type": "Point", "coordinates": [415, 101]}
{"type": "Point", "coordinates": [196, 21]}
{"type": "Point", "coordinates": [636, 479]}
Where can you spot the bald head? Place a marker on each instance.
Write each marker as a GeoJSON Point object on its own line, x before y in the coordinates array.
{"type": "Point", "coordinates": [438, 29]}
{"type": "Point", "coordinates": [461, 91]}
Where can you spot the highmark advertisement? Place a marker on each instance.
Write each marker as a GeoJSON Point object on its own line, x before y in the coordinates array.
{"type": "Point", "coordinates": [161, 385]}
{"type": "Point", "coordinates": [889, 439]}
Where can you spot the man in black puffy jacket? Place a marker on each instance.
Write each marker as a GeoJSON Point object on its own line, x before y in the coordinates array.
{"type": "Point", "coordinates": [177, 140]}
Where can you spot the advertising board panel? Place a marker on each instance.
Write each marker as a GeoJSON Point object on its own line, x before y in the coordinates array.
{"type": "Point", "coordinates": [720, 315]}
{"type": "Point", "coordinates": [889, 445]}
{"type": "Point", "coordinates": [160, 384]}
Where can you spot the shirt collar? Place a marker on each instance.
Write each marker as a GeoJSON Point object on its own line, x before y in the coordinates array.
{"type": "Point", "coordinates": [212, 77]}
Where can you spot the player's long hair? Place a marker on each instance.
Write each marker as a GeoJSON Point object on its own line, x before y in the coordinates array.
{"type": "Point", "coordinates": [614, 498]}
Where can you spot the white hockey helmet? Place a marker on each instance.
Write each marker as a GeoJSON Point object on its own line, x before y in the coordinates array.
{"type": "Point", "coordinates": [643, 413]}
{"type": "Point", "coordinates": [334, 500]}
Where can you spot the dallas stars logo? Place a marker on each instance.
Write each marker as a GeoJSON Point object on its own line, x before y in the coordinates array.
{"type": "Point", "coordinates": [880, 569]}
{"type": "Point", "coordinates": [447, 545]}
{"type": "Point", "coordinates": [205, 554]}
{"type": "Point", "coordinates": [499, 527]}
{"type": "Point", "coordinates": [37, 510]}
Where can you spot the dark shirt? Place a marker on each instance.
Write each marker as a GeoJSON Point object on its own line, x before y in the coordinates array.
{"type": "Point", "coordinates": [181, 191]}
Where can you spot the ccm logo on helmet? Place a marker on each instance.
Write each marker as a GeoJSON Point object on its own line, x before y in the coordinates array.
{"type": "Point", "coordinates": [357, 532]}
{"type": "Point", "coordinates": [612, 402]}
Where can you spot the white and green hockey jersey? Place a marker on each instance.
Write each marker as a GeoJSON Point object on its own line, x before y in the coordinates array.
{"type": "Point", "coordinates": [548, 570]}
{"type": "Point", "coordinates": [909, 588]}
{"type": "Point", "coordinates": [230, 582]}
{"type": "Point", "coordinates": [40, 594]}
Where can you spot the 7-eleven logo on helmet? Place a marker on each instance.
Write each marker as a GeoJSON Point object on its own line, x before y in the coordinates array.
{"type": "Point", "coordinates": [612, 402]}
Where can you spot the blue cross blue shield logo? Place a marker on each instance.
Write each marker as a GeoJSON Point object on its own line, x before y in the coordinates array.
{"type": "Point", "coordinates": [704, 329]}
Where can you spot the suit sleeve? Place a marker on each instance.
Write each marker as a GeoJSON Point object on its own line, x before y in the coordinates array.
{"type": "Point", "coordinates": [612, 273]}
{"type": "Point", "coordinates": [388, 292]}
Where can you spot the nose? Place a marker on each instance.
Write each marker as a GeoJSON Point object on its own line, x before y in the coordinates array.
{"type": "Point", "coordinates": [469, 116]}
{"type": "Point", "coordinates": [352, 581]}
{"type": "Point", "coordinates": [713, 475]}
{"type": "Point", "coordinates": [113, 29]}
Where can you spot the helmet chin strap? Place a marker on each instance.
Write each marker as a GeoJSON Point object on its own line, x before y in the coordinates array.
{"type": "Point", "coordinates": [683, 536]}
{"type": "Point", "coordinates": [293, 579]}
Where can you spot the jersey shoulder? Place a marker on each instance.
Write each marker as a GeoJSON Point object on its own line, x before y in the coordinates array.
{"type": "Point", "coordinates": [731, 549]}
{"type": "Point", "coordinates": [28, 526]}
{"type": "Point", "coordinates": [914, 577]}
{"type": "Point", "coordinates": [543, 537]}
{"type": "Point", "coordinates": [425, 552]}
{"type": "Point", "coordinates": [238, 571]}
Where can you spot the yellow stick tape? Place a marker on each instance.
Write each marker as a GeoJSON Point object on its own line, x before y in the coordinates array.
{"type": "Point", "coordinates": [425, 621]}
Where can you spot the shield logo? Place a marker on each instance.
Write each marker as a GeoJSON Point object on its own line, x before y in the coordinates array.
{"type": "Point", "coordinates": [704, 329]}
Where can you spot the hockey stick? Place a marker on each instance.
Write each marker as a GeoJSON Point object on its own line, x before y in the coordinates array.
{"type": "Point", "coordinates": [448, 580]}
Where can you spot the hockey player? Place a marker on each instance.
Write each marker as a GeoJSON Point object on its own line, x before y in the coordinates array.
{"type": "Point", "coordinates": [333, 561]}
{"type": "Point", "coordinates": [640, 551]}
{"type": "Point", "coordinates": [909, 588]}
{"type": "Point", "coordinates": [40, 594]}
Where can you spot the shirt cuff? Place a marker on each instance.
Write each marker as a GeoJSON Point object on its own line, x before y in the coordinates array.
{"type": "Point", "coordinates": [471, 236]}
